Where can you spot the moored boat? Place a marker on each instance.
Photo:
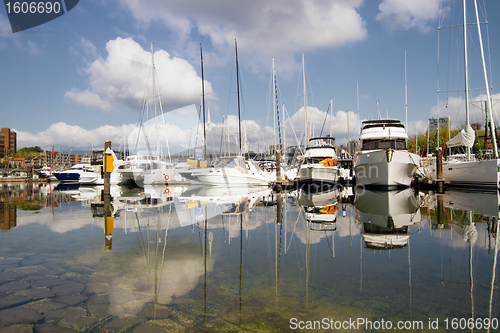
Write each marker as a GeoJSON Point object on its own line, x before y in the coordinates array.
{"type": "Point", "coordinates": [320, 165]}
{"type": "Point", "coordinates": [73, 173]}
{"type": "Point", "coordinates": [384, 161]}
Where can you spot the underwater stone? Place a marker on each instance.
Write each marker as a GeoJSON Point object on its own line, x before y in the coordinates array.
{"type": "Point", "coordinates": [19, 315]}
{"type": "Point", "coordinates": [68, 289]}
{"type": "Point", "coordinates": [14, 286]}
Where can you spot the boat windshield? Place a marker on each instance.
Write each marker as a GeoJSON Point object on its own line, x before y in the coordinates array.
{"type": "Point", "coordinates": [231, 163]}
{"type": "Point", "coordinates": [372, 144]}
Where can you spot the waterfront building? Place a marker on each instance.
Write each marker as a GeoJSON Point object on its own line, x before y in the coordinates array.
{"type": "Point", "coordinates": [8, 141]}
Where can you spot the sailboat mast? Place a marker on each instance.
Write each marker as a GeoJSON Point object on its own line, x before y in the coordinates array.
{"type": "Point", "coordinates": [154, 95]}
{"type": "Point", "coordinates": [203, 103]}
{"type": "Point", "coordinates": [305, 99]}
{"type": "Point", "coordinates": [490, 115]}
{"type": "Point", "coordinates": [406, 96]}
{"type": "Point", "coordinates": [277, 108]}
{"type": "Point", "coordinates": [238, 91]}
{"type": "Point", "coordinates": [466, 74]}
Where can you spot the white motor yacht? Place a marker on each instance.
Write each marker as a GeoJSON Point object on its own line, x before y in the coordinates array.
{"type": "Point", "coordinates": [146, 170]}
{"type": "Point", "coordinates": [320, 165]}
{"type": "Point", "coordinates": [384, 161]}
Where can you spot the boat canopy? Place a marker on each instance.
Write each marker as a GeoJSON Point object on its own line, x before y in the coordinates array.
{"type": "Point", "coordinates": [465, 138]}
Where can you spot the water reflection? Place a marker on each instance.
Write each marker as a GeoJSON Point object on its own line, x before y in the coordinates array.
{"type": "Point", "coordinates": [209, 258]}
{"type": "Point", "coordinates": [386, 216]}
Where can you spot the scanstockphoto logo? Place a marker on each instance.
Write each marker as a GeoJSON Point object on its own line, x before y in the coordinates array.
{"type": "Point", "coordinates": [28, 14]}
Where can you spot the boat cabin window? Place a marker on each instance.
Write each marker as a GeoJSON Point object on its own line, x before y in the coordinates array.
{"type": "Point", "coordinates": [313, 160]}
{"type": "Point", "coordinates": [398, 144]}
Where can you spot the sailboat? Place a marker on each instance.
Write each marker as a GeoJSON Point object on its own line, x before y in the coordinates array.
{"type": "Point", "coordinates": [319, 164]}
{"type": "Point", "coordinates": [469, 172]}
{"type": "Point", "coordinates": [233, 170]}
{"type": "Point", "coordinates": [147, 168]}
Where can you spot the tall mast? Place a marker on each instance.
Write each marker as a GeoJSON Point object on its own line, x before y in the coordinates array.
{"type": "Point", "coordinates": [305, 99]}
{"type": "Point", "coordinates": [203, 103]}
{"type": "Point", "coordinates": [153, 70]}
{"type": "Point", "coordinates": [490, 115]}
{"type": "Point", "coordinates": [466, 75]}
{"type": "Point", "coordinates": [277, 108]}
{"type": "Point", "coordinates": [406, 96]}
{"type": "Point", "coordinates": [238, 91]}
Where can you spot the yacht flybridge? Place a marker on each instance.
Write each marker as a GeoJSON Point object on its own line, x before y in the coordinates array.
{"type": "Point", "coordinates": [384, 161]}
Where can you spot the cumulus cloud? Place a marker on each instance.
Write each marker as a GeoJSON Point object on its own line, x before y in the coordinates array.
{"type": "Point", "coordinates": [409, 14]}
{"type": "Point", "coordinates": [72, 136]}
{"type": "Point", "coordinates": [454, 107]}
{"type": "Point", "coordinates": [320, 123]}
{"type": "Point", "coordinates": [88, 98]}
{"type": "Point", "coordinates": [264, 28]}
{"type": "Point", "coordinates": [122, 77]}
{"type": "Point", "coordinates": [182, 130]}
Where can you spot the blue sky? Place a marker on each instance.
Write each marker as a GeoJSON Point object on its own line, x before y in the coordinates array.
{"type": "Point", "coordinates": [78, 80]}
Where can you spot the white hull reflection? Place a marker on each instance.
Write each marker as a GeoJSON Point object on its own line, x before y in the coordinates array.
{"type": "Point", "coordinates": [386, 217]}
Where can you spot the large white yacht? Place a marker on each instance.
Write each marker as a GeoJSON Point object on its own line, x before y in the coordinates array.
{"type": "Point", "coordinates": [384, 161]}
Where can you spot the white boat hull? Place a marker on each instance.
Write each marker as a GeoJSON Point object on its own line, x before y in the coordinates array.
{"type": "Point", "coordinates": [479, 174]}
{"type": "Point", "coordinates": [218, 177]}
{"type": "Point", "coordinates": [318, 173]}
{"type": "Point", "coordinates": [386, 168]}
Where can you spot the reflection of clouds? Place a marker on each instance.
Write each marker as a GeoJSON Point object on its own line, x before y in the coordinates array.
{"type": "Point", "coordinates": [347, 226]}
{"type": "Point", "coordinates": [60, 222]}
{"type": "Point", "coordinates": [130, 280]}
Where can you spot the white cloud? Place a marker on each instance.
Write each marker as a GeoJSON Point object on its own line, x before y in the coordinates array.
{"type": "Point", "coordinates": [264, 28]}
{"type": "Point", "coordinates": [72, 136]}
{"type": "Point", "coordinates": [88, 98]}
{"type": "Point", "coordinates": [320, 123]}
{"type": "Point", "coordinates": [409, 14]}
{"type": "Point", "coordinates": [184, 132]}
{"type": "Point", "coordinates": [33, 48]}
{"type": "Point", "coordinates": [121, 78]}
{"type": "Point", "coordinates": [454, 107]}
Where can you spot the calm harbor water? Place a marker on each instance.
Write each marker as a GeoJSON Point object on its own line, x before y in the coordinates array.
{"type": "Point", "coordinates": [217, 259]}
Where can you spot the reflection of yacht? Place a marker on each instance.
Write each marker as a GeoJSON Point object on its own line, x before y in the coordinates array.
{"type": "Point", "coordinates": [231, 171]}
{"type": "Point", "coordinates": [386, 216]}
{"type": "Point", "coordinates": [320, 207]}
{"type": "Point", "coordinates": [384, 160]}
{"type": "Point", "coordinates": [486, 203]}
{"type": "Point", "coordinates": [221, 199]}
{"type": "Point", "coordinates": [149, 197]}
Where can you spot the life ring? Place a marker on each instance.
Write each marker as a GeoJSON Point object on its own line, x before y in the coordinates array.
{"type": "Point", "coordinates": [167, 191]}
{"type": "Point", "coordinates": [167, 177]}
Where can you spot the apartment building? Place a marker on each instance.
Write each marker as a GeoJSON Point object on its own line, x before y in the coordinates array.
{"type": "Point", "coordinates": [8, 141]}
